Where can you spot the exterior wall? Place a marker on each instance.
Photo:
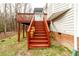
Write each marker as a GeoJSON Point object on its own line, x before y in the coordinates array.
{"type": "Point", "coordinates": [49, 9]}
{"type": "Point", "coordinates": [63, 28]}
{"type": "Point", "coordinates": [61, 6]}
{"type": "Point", "coordinates": [65, 24]}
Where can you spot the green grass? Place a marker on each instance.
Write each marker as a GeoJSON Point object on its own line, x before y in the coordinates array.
{"type": "Point", "coordinates": [77, 53]}
{"type": "Point", "coordinates": [10, 47]}
{"type": "Point", "coordinates": [54, 50]}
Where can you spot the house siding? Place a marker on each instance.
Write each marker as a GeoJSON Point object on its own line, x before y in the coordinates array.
{"type": "Point", "coordinates": [65, 24]}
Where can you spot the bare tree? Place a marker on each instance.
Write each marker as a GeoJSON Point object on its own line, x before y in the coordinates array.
{"type": "Point", "coordinates": [5, 17]}
{"type": "Point", "coordinates": [8, 13]}
{"type": "Point", "coordinates": [25, 6]}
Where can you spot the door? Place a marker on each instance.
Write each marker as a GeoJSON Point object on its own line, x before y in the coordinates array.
{"type": "Point", "coordinates": [38, 17]}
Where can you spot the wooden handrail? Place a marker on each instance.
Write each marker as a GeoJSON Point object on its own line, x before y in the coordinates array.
{"type": "Point", "coordinates": [47, 30]}
{"type": "Point", "coordinates": [30, 25]}
{"type": "Point", "coordinates": [46, 25]}
{"type": "Point", "coordinates": [29, 29]}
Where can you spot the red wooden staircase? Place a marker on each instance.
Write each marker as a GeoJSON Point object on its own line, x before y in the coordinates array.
{"type": "Point", "coordinates": [41, 36]}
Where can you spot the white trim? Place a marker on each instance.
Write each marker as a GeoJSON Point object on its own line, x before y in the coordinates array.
{"type": "Point", "coordinates": [75, 26]}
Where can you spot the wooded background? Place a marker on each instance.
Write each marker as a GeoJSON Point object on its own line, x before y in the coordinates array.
{"type": "Point", "coordinates": [8, 13]}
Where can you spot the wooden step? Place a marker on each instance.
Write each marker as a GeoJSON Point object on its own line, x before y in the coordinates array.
{"type": "Point", "coordinates": [39, 45]}
{"type": "Point", "coordinates": [40, 35]}
{"type": "Point", "coordinates": [39, 22]}
{"type": "Point", "coordinates": [39, 29]}
{"type": "Point", "coordinates": [39, 41]}
{"type": "Point", "coordinates": [40, 26]}
{"type": "Point", "coordinates": [41, 38]}
{"type": "Point", "coordinates": [40, 32]}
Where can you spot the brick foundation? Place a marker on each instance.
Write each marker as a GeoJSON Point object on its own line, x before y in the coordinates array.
{"type": "Point", "coordinates": [64, 39]}
{"type": "Point", "coordinates": [78, 43]}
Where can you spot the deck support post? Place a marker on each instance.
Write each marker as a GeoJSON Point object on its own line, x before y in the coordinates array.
{"type": "Point", "coordinates": [18, 32]}
{"type": "Point", "coordinates": [23, 30]}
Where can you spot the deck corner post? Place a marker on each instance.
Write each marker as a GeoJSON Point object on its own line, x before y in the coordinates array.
{"type": "Point", "coordinates": [18, 32]}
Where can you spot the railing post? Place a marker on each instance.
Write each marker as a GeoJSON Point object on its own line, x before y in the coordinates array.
{"type": "Point", "coordinates": [28, 37]}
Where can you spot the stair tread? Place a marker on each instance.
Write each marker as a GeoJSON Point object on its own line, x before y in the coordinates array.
{"type": "Point", "coordinates": [39, 29]}
{"type": "Point", "coordinates": [40, 37]}
{"type": "Point", "coordinates": [44, 36]}
{"type": "Point", "coordinates": [39, 26]}
{"type": "Point", "coordinates": [39, 34]}
{"type": "Point", "coordinates": [39, 44]}
{"type": "Point", "coordinates": [38, 40]}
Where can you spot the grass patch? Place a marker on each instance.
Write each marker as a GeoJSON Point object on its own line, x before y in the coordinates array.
{"type": "Point", "coordinates": [77, 53]}
{"type": "Point", "coordinates": [10, 47]}
{"type": "Point", "coordinates": [54, 50]}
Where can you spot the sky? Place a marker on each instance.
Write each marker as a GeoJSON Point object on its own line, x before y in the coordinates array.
{"type": "Point", "coordinates": [34, 5]}
{"type": "Point", "coordinates": [38, 1]}
{"type": "Point", "coordinates": [38, 5]}
{"type": "Point", "coordinates": [25, 1]}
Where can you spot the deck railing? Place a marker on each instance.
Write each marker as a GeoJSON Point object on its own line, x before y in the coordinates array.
{"type": "Point", "coordinates": [29, 29]}
{"type": "Point", "coordinates": [24, 17]}
{"type": "Point", "coordinates": [47, 30]}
